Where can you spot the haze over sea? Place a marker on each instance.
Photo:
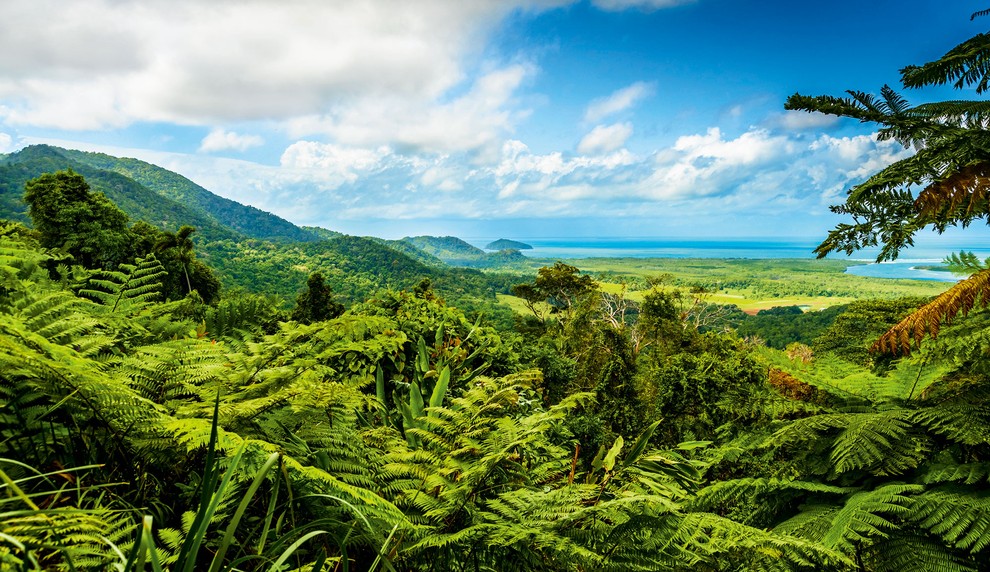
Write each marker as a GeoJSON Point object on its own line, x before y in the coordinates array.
{"type": "Point", "coordinates": [928, 250]}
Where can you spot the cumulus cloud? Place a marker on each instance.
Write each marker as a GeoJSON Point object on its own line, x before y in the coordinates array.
{"type": "Point", "coordinates": [861, 155]}
{"type": "Point", "coordinates": [618, 101]}
{"type": "Point", "coordinates": [708, 174]}
{"type": "Point", "coordinates": [605, 139]}
{"type": "Point", "coordinates": [220, 140]}
{"type": "Point", "coordinates": [473, 121]}
{"type": "Point", "coordinates": [206, 63]}
{"type": "Point", "coordinates": [347, 163]}
{"type": "Point", "coordinates": [6, 142]}
{"type": "Point", "coordinates": [801, 120]}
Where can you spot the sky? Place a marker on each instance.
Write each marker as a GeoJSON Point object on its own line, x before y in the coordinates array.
{"type": "Point", "coordinates": [480, 118]}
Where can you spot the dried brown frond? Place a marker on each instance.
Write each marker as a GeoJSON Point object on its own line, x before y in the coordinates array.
{"type": "Point", "coordinates": [964, 193]}
{"type": "Point", "coordinates": [928, 319]}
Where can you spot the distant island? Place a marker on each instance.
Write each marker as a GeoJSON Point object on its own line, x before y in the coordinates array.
{"type": "Point", "coordinates": [504, 243]}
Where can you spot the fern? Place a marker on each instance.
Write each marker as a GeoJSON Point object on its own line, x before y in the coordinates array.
{"type": "Point", "coordinates": [882, 443]}
{"type": "Point", "coordinates": [927, 320]}
{"type": "Point", "coordinates": [960, 517]}
{"type": "Point", "coordinates": [134, 285]}
{"type": "Point", "coordinates": [47, 526]}
{"type": "Point", "coordinates": [916, 553]}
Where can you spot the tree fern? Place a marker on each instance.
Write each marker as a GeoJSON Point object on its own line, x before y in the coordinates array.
{"type": "Point", "coordinates": [45, 525]}
{"type": "Point", "coordinates": [916, 553]}
{"type": "Point", "coordinates": [959, 516]}
{"type": "Point", "coordinates": [963, 65]}
{"type": "Point", "coordinates": [928, 320]}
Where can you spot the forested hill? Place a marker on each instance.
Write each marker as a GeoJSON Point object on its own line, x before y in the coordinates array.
{"type": "Point", "coordinates": [246, 219]}
{"type": "Point", "coordinates": [457, 252]}
{"type": "Point", "coordinates": [444, 246]}
{"type": "Point", "coordinates": [250, 249]}
{"type": "Point", "coordinates": [145, 192]}
{"type": "Point", "coordinates": [135, 199]}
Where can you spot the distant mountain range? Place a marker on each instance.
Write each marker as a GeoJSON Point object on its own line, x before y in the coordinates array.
{"type": "Point", "coordinates": [356, 266]}
{"type": "Point", "coordinates": [506, 244]}
{"type": "Point", "coordinates": [457, 252]}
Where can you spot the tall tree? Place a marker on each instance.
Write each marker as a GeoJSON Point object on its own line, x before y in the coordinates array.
{"type": "Point", "coordinates": [945, 183]}
{"type": "Point", "coordinates": [85, 224]}
{"type": "Point", "coordinates": [316, 303]}
{"type": "Point", "coordinates": [560, 287]}
{"type": "Point", "coordinates": [182, 246]}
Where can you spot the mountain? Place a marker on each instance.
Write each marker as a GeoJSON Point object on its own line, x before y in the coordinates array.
{"type": "Point", "coordinates": [457, 252]}
{"type": "Point", "coordinates": [244, 219]}
{"type": "Point", "coordinates": [322, 233]}
{"type": "Point", "coordinates": [249, 248]}
{"type": "Point", "coordinates": [444, 247]}
{"type": "Point", "coordinates": [505, 244]}
{"type": "Point", "coordinates": [135, 199]}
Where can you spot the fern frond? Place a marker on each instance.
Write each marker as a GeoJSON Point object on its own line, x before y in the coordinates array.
{"type": "Point", "coordinates": [927, 320]}
{"type": "Point", "coordinates": [964, 194]}
{"type": "Point", "coordinates": [965, 65]}
{"type": "Point", "coordinates": [963, 473]}
{"type": "Point", "coordinates": [916, 553]}
{"type": "Point", "coordinates": [960, 517]}
{"type": "Point", "coordinates": [133, 285]}
{"type": "Point", "coordinates": [723, 493]}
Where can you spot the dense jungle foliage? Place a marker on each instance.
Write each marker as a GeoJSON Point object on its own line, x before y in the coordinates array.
{"type": "Point", "coordinates": [150, 419]}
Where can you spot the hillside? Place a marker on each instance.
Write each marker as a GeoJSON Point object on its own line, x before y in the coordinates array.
{"type": "Point", "coordinates": [247, 220]}
{"type": "Point", "coordinates": [249, 248]}
{"type": "Point", "coordinates": [444, 247]}
{"type": "Point", "coordinates": [135, 199]}
{"type": "Point", "coordinates": [457, 252]}
{"type": "Point", "coordinates": [505, 243]}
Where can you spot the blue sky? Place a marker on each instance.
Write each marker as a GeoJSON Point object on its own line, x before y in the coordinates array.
{"type": "Point", "coordinates": [478, 118]}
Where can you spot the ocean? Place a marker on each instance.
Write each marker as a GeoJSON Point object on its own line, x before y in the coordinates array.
{"type": "Point", "coordinates": [928, 251]}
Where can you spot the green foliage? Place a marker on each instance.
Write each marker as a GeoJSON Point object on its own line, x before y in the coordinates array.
{"type": "Point", "coordinates": [559, 287]}
{"type": "Point", "coordinates": [948, 166]}
{"type": "Point", "coordinates": [70, 217]}
{"type": "Point", "coordinates": [316, 303]}
{"type": "Point", "coordinates": [405, 434]}
{"type": "Point", "coordinates": [783, 325]}
{"type": "Point", "coordinates": [855, 330]}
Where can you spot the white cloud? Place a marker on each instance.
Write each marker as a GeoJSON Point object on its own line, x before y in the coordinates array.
{"type": "Point", "coordinates": [618, 101]}
{"type": "Point", "coordinates": [862, 155]}
{"type": "Point", "coordinates": [605, 139]}
{"type": "Point", "coordinates": [310, 155]}
{"type": "Point", "coordinates": [800, 120]}
{"type": "Point", "coordinates": [750, 147]}
{"type": "Point", "coordinates": [707, 176]}
{"type": "Point", "coordinates": [220, 140]}
{"type": "Point", "coordinates": [6, 142]}
{"type": "Point", "coordinates": [649, 5]}
{"type": "Point", "coordinates": [474, 121]}
{"type": "Point", "coordinates": [204, 63]}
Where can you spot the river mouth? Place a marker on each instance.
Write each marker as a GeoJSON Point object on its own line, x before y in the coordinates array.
{"type": "Point", "coordinates": [905, 270]}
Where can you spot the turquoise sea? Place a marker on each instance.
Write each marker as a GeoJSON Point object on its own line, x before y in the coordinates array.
{"type": "Point", "coordinates": [928, 251]}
